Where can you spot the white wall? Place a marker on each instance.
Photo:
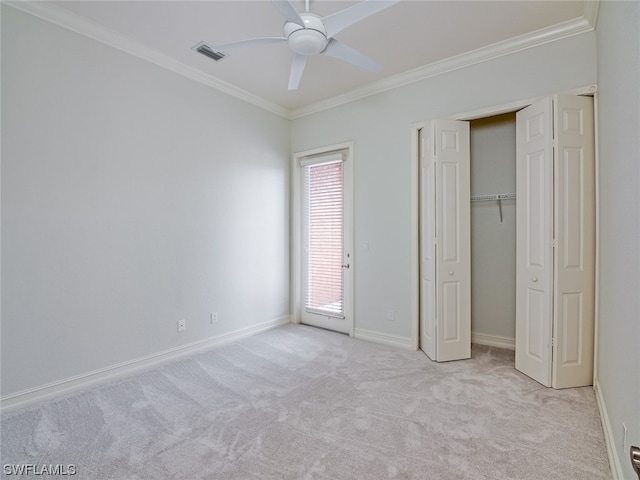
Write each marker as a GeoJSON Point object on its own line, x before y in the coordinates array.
{"type": "Point", "coordinates": [618, 40]}
{"type": "Point", "coordinates": [493, 244]}
{"type": "Point", "coordinates": [380, 126]}
{"type": "Point", "coordinates": [131, 197]}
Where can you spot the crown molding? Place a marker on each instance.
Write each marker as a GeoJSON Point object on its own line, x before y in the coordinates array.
{"type": "Point", "coordinates": [83, 26]}
{"type": "Point", "coordinates": [483, 54]}
{"type": "Point", "coordinates": [591, 8]}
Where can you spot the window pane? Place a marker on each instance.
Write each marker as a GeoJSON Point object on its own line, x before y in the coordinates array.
{"type": "Point", "coordinates": [323, 216]}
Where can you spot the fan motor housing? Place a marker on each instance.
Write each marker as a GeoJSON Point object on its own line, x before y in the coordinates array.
{"type": "Point", "coordinates": [308, 40]}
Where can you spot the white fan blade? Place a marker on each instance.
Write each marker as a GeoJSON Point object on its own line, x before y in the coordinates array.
{"type": "Point", "coordinates": [247, 43]}
{"type": "Point", "coordinates": [288, 12]}
{"type": "Point", "coordinates": [297, 68]}
{"type": "Point", "coordinates": [347, 54]}
{"type": "Point", "coordinates": [340, 20]}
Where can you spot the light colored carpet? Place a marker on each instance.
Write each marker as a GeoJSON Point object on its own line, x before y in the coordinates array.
{"type": "Point", "coordinates": [302, 403]}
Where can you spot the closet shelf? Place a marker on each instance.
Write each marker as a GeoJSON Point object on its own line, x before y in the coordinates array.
{"type": "Point", "coordinates": [495, 197]}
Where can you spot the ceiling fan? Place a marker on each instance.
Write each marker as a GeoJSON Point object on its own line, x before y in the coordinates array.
{"type": "Point", "coordinates": [309, 34]}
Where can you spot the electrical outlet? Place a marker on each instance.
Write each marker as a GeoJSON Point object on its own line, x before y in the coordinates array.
{"type": "Point", "coordinates": [624, 437]}
{"type": "Point", "coordinates": [391, 315]}
{"type": "Point", "coordinates": [214, 317]}
{"type": "Point", "coordinates": [182, 325]}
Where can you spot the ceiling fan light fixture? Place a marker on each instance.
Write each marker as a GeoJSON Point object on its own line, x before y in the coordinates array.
{"type": "Point", "coordinates": [307, 42]}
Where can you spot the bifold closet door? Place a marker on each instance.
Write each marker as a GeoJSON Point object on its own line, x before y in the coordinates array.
{"type": "Point", "coordinates": [428, 239]}
{"type": "Point", "coordinates": [574, 262]}
{"type": "Point", "coordinates": [555, 255]}
{"type": "Point", "coordinates": [445, 308]}
{"type": "Point", "coordinates": [534, 235]}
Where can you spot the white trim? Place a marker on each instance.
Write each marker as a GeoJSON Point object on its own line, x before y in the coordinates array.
{"type": "Point", "coordinates": [586, 90]}
{"type": "Point", "coordinates": [609, 439]}
{"type": "Point", "coordinates": [296, 228]}
{"type": "Point", "coordinates": [85, 380]}
{"type": "Point", "coordinates": [66, 19]}
{"type": "Point", "coordinates": [295, 243]}
{"type": "Point", "coordinates": [384, 339]}
{"type": "Point", "coordinates": [591, 9]}
{"type": "Point", "coordinates": [330, 157]}
{"type": "Point", "coordinates": [493, 341]}
{"type": "Point", "coordinates": [321, 150]}
{"type": "Point", "coordinates": [596, 307]}
{"type": "Point", "coordinates": [479, 55]}
{"type": "Point", "coordinates": [516, 105]}
{"type": "Point", "coordinates": [414, 192]}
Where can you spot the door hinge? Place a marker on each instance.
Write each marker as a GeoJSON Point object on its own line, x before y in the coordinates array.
{"type": "Point", "coordinates": [553, 342]}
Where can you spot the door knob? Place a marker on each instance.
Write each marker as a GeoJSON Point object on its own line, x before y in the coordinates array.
{"type": "Point", "coordinates": [635, 459]}
{"type": "Point", "coordinates": [534, 279]}
{"type": "Point", "coordinates": [450, 272]}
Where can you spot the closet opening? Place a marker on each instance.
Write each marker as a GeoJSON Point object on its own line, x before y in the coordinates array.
{"type": "Point", "coordinates": [493, 231]}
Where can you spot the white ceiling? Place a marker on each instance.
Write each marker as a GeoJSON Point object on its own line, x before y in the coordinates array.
{"type": "Point", "coordinates": [404, 37]}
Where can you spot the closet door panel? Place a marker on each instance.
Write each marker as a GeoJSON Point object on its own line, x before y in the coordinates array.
{"type": "Point", "coordinates": [534, 253]}
{"type": "Point", "coordinates": [450, 259]}
{"type": "Point", "coordinates": [571, 351]}
{"type": "Point", "coordinates": [575, 242]}
{"type": "Point", "coordinates": [450, 181]}
{"type": "Point", "coordinates": [427, 244]}
{"type": "Point", "coordinates": [451, 311]}
{"type": "Point", "coordinates": [453, 269]}
{"type": "Point", "coordinates": [534, 335]}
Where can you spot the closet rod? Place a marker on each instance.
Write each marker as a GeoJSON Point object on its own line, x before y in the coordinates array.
{"type": "Point", "coordinates": [497, 196]}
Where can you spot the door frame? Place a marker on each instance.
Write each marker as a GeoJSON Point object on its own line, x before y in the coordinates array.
{"type": "Point", "coordinates": [415, 202]}
{"type": "Point", "coordinates": [296, 230]}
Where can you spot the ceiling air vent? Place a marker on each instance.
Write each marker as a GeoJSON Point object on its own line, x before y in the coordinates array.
{"type": "Point", "coordinates": [205, 49]}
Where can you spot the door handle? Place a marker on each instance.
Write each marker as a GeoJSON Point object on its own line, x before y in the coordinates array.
{"type": "Point", "coordinates": [345, 266]}
{"type": "Point", "coordinates": [635, 459]}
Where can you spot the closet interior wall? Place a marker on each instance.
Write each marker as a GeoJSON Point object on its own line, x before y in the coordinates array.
{"type": "Point", "coordinates": [493, 244]}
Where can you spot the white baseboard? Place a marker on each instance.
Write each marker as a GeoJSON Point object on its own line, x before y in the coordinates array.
{"type": "Point", "coordinates": [493, 341]}
{"type": "Point", "coordinates": [71, 384]}
{"type": "Point", "coordinates": [385, 339]}
{"type": "Point", "coordinates": [612, 453]}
